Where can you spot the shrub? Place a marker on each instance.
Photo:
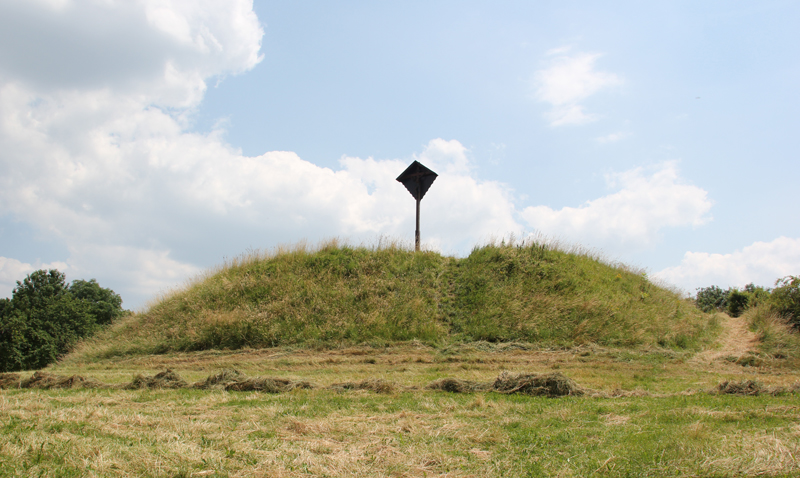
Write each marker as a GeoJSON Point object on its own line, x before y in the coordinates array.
{"type": "Point", "coordinates": [45, 317]}
{"type": "Point", "coordinates": [731, 300]}
{"type": "Point", "coordinates": [785, 299]}
{"type": "Point", "coordinates": [737, 302]}
{"type": "Point", "coordinates": [712, 298]}
{"type": "Point", "coordinates": [757, 295]}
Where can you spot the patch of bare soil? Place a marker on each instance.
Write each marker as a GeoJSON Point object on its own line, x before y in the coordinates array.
{"type": "Point", "coordinates": [736, 340]}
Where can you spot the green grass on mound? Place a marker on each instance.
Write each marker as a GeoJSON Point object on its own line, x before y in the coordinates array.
{"type": "Point", "coordinates": [341, 295]}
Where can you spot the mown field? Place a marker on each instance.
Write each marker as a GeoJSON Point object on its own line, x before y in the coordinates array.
{"type": "Point", "coordinates": [645, 413]}
{"type": "Point", "coordinates": [380, 362]}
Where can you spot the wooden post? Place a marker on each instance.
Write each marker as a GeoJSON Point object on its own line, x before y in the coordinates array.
{"type": "Point", "coordinates": [416, 233]}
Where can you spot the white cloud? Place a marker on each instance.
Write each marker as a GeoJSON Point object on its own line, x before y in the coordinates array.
{"type": "Point", "coordinates": [631, 217]}
{"type": "Point", "coordinates": [96, 155]}
{"type": "Point", "coordinates": [568, 80]}
{"type": "Point", "coordinates": [760, 263]}
{"type": "Point", "coordinates": [153, 52]}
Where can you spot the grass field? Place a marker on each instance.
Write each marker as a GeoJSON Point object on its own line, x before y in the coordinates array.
{"type": "Point", "coordinates": [647, 413]}
{"type": "Point", "coordinates": [342, 355]}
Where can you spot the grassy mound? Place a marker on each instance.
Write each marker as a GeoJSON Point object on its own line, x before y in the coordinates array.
{"type": "Point", "coordinates": [340, 295]}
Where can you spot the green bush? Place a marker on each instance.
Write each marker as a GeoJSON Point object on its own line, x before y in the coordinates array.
{"type": "Point", "coordinates": [712, 298]}
{"type": "Point", "coordinates": [757, 295]}
{"type": "Point", "coordinates": [731, 300]}
{"type": "Point", "coordinates": [785, 299]}
{"type": "Point", "coordinates": [45, 317]}
{"type": "Point", "coordinates": [737, 302]}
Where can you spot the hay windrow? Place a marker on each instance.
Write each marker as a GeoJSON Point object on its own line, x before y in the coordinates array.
{"type": "Point", "coordinates": [165, 379]}
{"type": "Point", "coordinates": [745, 387]}
{"type": "Point", "coordinates": [9, 380]}
{"type": "Point", "coordinates": [47, 381]}
{"type": "Point", "coordinates": [753, 388]}
{"type": "Point", "coordinates": [268, 385]}
{"type": "Point", "coordinates": [455, 385]}
{"type": "Point", "coordinates": [547, 385]}
{"type": "Point", "coordinates": [377, 385]}
{"type": "Point", "coordinates": [221, 380]}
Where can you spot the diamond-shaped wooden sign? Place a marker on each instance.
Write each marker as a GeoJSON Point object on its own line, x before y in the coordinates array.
{"type": "Point", "coordinates": [417, 179]}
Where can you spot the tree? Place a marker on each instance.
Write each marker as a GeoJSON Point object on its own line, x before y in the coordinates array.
{"type": "Point", "coordinates": [45, 318]}
{"type": "Point", "coordinates": [105, 304]}
{"type": "Point", "coordinates": [38, 289]}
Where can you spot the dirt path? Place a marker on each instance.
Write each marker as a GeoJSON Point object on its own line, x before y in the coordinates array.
{"type": "Point", "coordinates": [735, 340]}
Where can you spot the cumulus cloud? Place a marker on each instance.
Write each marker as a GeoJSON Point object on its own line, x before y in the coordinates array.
{"type": "Point", "coordinates": [633, 216]}
{"type": "Point", "coordinates": [567, 81]}
{"type": "Point", "coordinates": [95, 98]}
{"type": "Point", "coordinates": [103, 162]}
{"type": "Point", "coordinates": [153, 51]}
{"type": "Point", "coordinates": [760, 263]}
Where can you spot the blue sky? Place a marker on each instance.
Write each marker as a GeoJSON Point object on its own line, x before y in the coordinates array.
{"type": "Point", "coordinates": [142, 142]}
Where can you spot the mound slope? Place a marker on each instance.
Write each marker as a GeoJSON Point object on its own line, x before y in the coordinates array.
{"type": "Point", "coordinates": [341, 295]}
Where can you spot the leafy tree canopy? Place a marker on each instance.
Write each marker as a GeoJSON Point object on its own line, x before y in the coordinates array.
{"type": "Point", "coordinates": [45, 317]}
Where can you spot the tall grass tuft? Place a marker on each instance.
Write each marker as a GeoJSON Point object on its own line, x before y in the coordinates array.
{"type": "Point", "coordinates": [776, 336]}
{"type": "Point", "coordinates": [336, 294]}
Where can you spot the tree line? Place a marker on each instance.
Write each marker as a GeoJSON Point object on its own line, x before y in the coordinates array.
{"type": "Point", "coordinates": [783, 299]}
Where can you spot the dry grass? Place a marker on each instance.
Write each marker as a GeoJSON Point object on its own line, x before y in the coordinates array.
{"type": "Point", "coordinates": [371, 411]}
{"type": "Point", "coordinates": [167, 433]}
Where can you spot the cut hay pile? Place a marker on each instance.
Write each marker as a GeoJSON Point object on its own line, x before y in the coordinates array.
{"type": "Point", "coordinates": [9, 380]}
{"type": "Point", "coordinates": [233, 380]}
{"type": "Point", "coordinates": [221, 380]}
{"type": "Point", "coordinates": [165, 379]}
{"type": "Point", "coordinates": [544, 385]}
{"type": "Point", "coordinates": [377, 385]}
{"type": "Point", "coordinates": [47, 381]}
{"type": "Point", "coordinates": [547, 385]}
{"type": "Point", "coordinates": [268, 385]}
{"type": "Point", "coordinates": [745, 387]}
{"type": "Point", "coordinates": [455, 385]}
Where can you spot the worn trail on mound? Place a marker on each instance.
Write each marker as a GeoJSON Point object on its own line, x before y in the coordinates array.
{"type": "Point", "coordinates": [735, 340]}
